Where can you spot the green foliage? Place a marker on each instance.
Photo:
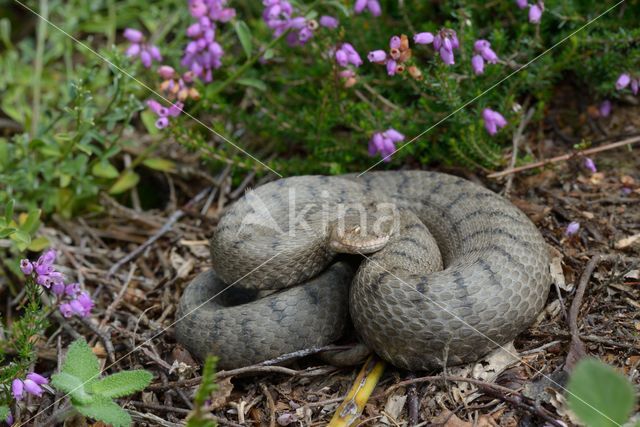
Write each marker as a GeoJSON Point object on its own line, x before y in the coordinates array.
{"type": "Point", "coordinates": [28, 325]}
{"type": "Point", "coordinates": [287, 104]}
{"type": "Point", "coordinates": [4, 412]}
{"type": "Point", "coordinates": [200, 417]}
{"type": "Point", "coordinates": [91, 395]}
{"type": "Point", "coordinates": [599, 395]}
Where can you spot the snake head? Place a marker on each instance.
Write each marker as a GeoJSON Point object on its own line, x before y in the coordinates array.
{"type": "Point", "coordinates": [351, 235]}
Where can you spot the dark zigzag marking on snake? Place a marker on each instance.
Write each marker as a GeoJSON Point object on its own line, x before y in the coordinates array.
{"type": "Point", "coordinates": [501, 232]}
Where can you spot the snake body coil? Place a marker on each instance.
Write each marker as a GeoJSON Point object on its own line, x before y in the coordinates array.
{"type": "Point", "coordinates": [494, 282]}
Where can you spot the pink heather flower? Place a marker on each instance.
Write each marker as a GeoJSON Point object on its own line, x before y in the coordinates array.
{"type": "Point", "coordinates": [372, 5]}
{"type": "Point", "coordinates": [9, 419]}
{"type": "Point", "coordinates": [384, 143]}
{"type": "Point", "coordinates": [32, 388]}
{"type": "Point", "coordinates": [493, 121]}
{"type": "Point", "coordinates": [175, 109]}
{"type": "Point", "coordinates": [377, 56]}
{"type": "Point", "coordinates": [166, 72]}
{"type": "Point", "coordinates": [477, 63]}
{"type": "Point", "coordinates": [423, 38]}
{"type": "Point", "coordinates": [535, 12]}
{"type": "Point", "coordinates": [17, 389]}
{"type": "Point", "coordinates": [590, 164]}
{"type": "Point", "coordinates": [37, 378]}
{"type": "Point", "coordinates": [522, 3]}
{"type": "Point", "coordinates": [623, 81]}
{"type": "Point", "coordinates": [87, 303]}
{"type": "Point", "coordinates": [26, 267]}
{"type": "Point", "coordinates": [572, 228]}
{"type": "Point", "coordinates": [635, 86]}
{"type": "Point", "coordinates": [329, 22]}
{"type": "Point", "coordinates": [605, 108]}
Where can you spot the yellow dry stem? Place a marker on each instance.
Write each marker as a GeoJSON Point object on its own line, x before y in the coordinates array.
{"type": "Point", "coordinates": [353, 405]}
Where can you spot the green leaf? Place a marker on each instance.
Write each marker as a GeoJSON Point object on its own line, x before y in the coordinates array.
{"type": "Point", "coordinates": [72, 385]}
{"type": "Point", "coordinates": [248, 81]}
{"type": "Point", "coordinates": [8, 211]}
{"type": "Point", "coordinates": [122, 383]}
{"type": "Point", "coordinates": [159, 164]}
{"type": "Point", "coordinates": [81, 362]}
{"type": "Point", "coordinates": [38, 244]}
{"type": "Point", "coordinates": [149, 121]}
{"type": "Point", "coordinates": [127, 181]}
{"type": "Point", "coordinates": [208, 384]}
{"type": "Point", "coordinates": [107, 411]}
{"type": "Point", "coordinates": [4, 411]}
{"type": "Point", "coordinates": [21, 237]}
{"type": "Point", "coordinates": [31, 222]}
{"type": "Point", "coordinates": [6, 232]}
{"type": "Point", "coordinates": [599, 395]}
{"type": "Point", "coordinates": [244, 34]}
{"type": "Point", "coordinates": [104, 169]}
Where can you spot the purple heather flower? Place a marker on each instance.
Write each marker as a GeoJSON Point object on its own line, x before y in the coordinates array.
{"type": "Point", "coordinates": [31, 387]}
{"type": "Point", "coordinates": [384, 143]}
{"type": "Point", "coordinates": [444, 42]}
{"type": "Point", "coordinates": [328, 21]}
{"type": "Point", "coordinates": [26, 267]}
{"type": "Point", "coordinates": [395, 42]}
{"type": "Point", "coordinates": [635, 85]}
{"type": "Point", "coordinates": [17, 389]}
{"type": "Point", "coordinates": [423, 38]}
{"type": "Point", "coordinates": [372, 5]}
{"type": "Point", "coordinates": [377, 56]}
{"type": "Point", "coordinates": [535, 12]}
{"type": "Point", "coordinates": [483, 47]}
{"type": "Point", "coordinates": [623, 81]}
{"type": "Point", "coordinates": [37, 378]}
{"type": "Point", "coordinates": [162, 122]}
{"type": "Point", "coordinates": [522, 3]}
{"type": "Point", "coordinates": [605, 108]}
{"type": "Point", "coordinates": [392, 66]}
{"type": "Point", "coordinates": [72, 289]}
{"type": "Point", "coordinates": [147, 52]}
{"type": "Point", "coordinates": [447, 56]}
{"type": "Point", "coordinates": [590, 164]}
{"type": "Point", "coordinates": [9, 419]}
{"type": "Point", "coordinates": [477, 63]}
{"type": "Point", "coordinates": [58, 288]}
{"type": "Point", "coordinates": [493, 121]}
{"type": "Point", "coordinates": [134, 36]}
{"type": "Point", "coordinates": [66, 310]}
{"type": "Point", "coordinates": [348, 55]}
{"type": "Point", "coordinates": [572, 228]}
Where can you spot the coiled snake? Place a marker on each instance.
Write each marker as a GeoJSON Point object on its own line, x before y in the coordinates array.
{"type": "Point", "coordinates": [404, 306]}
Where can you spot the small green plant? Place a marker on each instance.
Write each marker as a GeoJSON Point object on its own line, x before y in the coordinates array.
{"type": "Point", "coordinates": [91, 395]}
{"type": "Point", "coordinates": [599, 395]}
{"type": "Point", "coordinates": [200, 417]}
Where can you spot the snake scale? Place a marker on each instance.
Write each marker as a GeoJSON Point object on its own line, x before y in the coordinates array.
{"type": "Point", "coordinates": [449, 271]}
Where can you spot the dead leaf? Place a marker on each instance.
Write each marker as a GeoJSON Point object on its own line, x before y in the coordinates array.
{"type": "Point", "coordinates": [220, 397]}
{"type": "Point", "coordinates": [393, 409]}
{"type": "Point", "coordinates": [180, 265]}
{"type": "Point", "coordinates": [557, 274]}
{"type": "Point", "coordinates": [627, 241]}
{"type": "Point", "coordinates": [449, 419]}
